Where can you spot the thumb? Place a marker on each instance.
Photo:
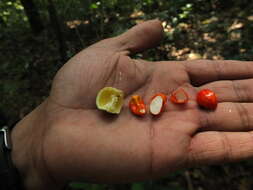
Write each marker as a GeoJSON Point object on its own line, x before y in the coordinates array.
{"type": "Point", "coordinates": [141, 37]}
{"type": "Point", "coordinates": [138, 38]}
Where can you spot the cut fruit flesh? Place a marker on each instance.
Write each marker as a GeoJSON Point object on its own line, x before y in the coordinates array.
{"type": "Point", "coordinates": [110, 99]}
{"type": "Point", "coordinates": [157, 104]}
{"type": "Point", "coordinates": [137, 105]}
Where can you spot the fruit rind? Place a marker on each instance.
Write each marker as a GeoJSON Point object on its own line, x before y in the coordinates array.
{"type": "Point", "coordinates": [174, 97]}
{"type": "Point", "coordinates": [110, 100]}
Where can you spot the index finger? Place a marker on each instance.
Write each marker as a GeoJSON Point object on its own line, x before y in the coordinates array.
{"type": "Point", "coordinates": [204, 71]}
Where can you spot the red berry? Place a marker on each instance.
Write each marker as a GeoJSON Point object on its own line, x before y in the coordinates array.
{"type": "Point", "coordinates": [207, 99]}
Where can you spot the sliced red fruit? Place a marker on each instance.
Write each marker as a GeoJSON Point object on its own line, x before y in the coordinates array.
{"type": "Point", "coordinates": [137, 106]}
{"type": "Point", "coordinates": [207, 99]}
{"type": "Point", "coordinates": [179, 97]}
{"type": "Point", "coordinates": [157, 104]}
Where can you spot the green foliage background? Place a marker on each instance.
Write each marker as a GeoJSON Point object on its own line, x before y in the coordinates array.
{"type": "Point", "coordinates": [194, 29]}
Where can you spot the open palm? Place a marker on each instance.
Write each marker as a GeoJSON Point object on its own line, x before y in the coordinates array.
{"type": "Point", "coordinates": [83, 143]}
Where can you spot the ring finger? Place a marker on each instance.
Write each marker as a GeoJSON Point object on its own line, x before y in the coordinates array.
{"type": "Point", "coordinates": [228, 116]}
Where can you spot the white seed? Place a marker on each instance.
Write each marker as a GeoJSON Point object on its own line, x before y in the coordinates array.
{"type": "Point", "coordinates": [142, 111]}
{"type": "Point", "coordinates": [156, 105]}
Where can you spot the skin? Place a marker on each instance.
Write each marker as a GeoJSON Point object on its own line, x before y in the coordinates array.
{"type": "Point", "coordinates": [66, 138]}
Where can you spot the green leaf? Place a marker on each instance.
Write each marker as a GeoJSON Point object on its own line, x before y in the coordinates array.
{"type": "Point", "coordinates": [93, 6]}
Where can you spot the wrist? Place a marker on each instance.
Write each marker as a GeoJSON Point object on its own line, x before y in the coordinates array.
{"type": "Point", "coordinates": [27, 153]}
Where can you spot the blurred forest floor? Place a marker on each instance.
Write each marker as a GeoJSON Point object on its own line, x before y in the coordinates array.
{"type": "Point", "coordinates": [197, 29]}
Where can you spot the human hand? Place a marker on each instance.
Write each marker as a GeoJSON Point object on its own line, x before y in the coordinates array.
{"type": "Point", "coordinates": [66, 138]}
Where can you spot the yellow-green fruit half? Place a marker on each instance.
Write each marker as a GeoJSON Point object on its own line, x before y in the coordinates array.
{"type": "Point", "coordinates": [110, 99]}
